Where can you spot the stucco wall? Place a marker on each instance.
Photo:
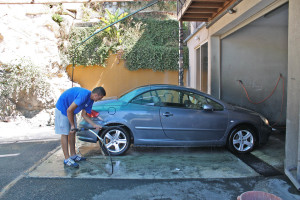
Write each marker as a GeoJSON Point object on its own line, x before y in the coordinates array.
{"type": "Point", "coordinates": [117, 79]}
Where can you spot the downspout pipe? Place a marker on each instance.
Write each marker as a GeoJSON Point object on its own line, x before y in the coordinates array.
{"type": "Point", "coordinates": [99, 30]}
{"type": "Point", "coordinates": [209, 24]}
{"type": "Point", "coordinates": [180, 68]}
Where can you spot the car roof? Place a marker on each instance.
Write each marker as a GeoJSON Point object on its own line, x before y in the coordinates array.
{"type": "Point", "coordinates": [170, 86]}
{"type": "Point", "coordinates": [154, 86]}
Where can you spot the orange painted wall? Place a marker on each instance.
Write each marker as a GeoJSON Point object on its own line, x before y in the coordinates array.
{"type": "Point", "coordinates": [117, 79]}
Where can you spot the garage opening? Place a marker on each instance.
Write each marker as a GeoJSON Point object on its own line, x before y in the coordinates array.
{"type": "Point", "coordinates": [257, 55]}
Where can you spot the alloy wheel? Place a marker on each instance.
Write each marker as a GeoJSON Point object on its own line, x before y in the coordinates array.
{"type": "Point", "coordinates": [243, 140]}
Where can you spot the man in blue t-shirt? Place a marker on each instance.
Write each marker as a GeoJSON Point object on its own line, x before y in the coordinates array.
{"type": "Point", "coordinates": [71, 102]}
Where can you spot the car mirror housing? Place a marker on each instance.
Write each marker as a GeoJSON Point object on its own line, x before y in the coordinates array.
{"type": "Point", "coordinates": [208, 107]}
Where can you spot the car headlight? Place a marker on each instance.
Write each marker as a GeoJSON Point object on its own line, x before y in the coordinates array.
{"type": "Point", "coordinates": [264, 119]}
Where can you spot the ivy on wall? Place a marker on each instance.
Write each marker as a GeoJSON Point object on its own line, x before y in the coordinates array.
{"type": "Point", "coordinates": [96, 50]}
{"type": "Point", "coordinates": [145, 43]}
{"type": "Point", "coordinates": [93, 52]}
{"type": "Point", "coordinates": [157, 48]}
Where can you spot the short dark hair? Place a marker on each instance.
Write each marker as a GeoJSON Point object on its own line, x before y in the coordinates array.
{"type": "Point", "coordinates": [99, 91]}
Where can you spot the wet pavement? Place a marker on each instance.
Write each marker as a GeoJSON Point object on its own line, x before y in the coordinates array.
{"type": "Point", "coordinates": [166, 163]}
{"type": "Point", "coordinates": [150, 163]}
{"type": "Point", "coordinates": [262, 170]}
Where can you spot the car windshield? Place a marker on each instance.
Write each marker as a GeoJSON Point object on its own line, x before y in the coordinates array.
{"type": "Point", "coordinates": [127, 96]}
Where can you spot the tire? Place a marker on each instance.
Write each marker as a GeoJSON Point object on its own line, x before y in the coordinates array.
{"type": "Point", "coordinates": [242, 140]}
{"type": "Point", "coordinates": [116, 140]}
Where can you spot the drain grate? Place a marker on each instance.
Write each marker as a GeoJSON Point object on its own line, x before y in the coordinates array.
{"type": "Point", "coordinates": [258, 165]}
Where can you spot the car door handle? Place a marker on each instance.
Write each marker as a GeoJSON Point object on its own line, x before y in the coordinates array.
{"type": "Point", "coordinates": [167, 114]}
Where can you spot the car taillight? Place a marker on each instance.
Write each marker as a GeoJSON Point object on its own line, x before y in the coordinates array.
{"type": "Point", "coordinates": [93, 114]}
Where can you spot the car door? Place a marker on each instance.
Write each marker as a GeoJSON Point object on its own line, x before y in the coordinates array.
{"type": "Point", "coordinates": [183, 117]}
{"type": "Point", "coordinates": [144, 118]}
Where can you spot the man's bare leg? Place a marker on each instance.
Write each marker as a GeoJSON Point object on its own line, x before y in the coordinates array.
{"type": "Point", "coordinates": [72, 143]}
{"type": "Point", "coordinates": [64, 145]}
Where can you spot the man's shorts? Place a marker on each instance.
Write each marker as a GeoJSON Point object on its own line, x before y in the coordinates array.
{"type": "Point", "coordinates": [62, 124]}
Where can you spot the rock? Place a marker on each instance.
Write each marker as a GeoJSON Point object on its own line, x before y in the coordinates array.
{"type": "Point", "coordinates": [43, 118]}
{"type": "Point", "coordinates": [1, 37]}
{"type": "Point", "coordinates": [66, 26]}
{"type": "Point", "coordinates": [28, 31]}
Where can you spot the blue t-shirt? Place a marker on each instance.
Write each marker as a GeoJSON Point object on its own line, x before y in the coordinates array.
{"type": "Point", "coordinates": [80, 96]}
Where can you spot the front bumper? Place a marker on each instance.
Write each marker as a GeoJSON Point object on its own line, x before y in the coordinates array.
{"type": "Point", "coordinates": [87, 136]}
{"type": "Point", "coordinates": [265, 133]}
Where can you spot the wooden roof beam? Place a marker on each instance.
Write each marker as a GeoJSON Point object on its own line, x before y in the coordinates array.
{"type": "Point", "coordinates": [202, 10]}
{"type": "Point", "coordinates": [225, 6]}
{"type": "Point", "coordinates": [198, 15]}
{"type": "Point", "coordinates": [195, 19]}
{"type": "Point", "coordinates": [206, 5]}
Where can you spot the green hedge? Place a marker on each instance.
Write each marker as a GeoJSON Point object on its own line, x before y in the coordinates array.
{"type": "Point", "coordinates": [157, 58]}
{"type": "Point", "coordinates": [157, 48]}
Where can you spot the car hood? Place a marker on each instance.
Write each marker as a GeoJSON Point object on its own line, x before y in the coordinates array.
{"type": "Point", "coordinates": [241, 109]}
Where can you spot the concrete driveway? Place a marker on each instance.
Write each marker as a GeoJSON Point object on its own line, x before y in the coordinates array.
{"type": "Point", "coordinates": [168, 163]}
{"type": "Point", "coordinates": [150, 163]}
{"type": "Point", "coordinates": [264, 165]}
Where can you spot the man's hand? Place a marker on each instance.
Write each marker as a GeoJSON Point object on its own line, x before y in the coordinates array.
{"type": "Point", "coordinates": [70, 114]}
{"type": "Point", "coordinates": [72, 130]}
{"type": "Point", "coordinates": [97, 127]}
{"type": "Point", "coordinates": [88, 119]}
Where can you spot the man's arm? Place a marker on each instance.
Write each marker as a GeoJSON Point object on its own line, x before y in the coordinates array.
{"type": "Point", "coordinates": [70, 114]}
{"type": "Point", "coordinates": [88, 119]}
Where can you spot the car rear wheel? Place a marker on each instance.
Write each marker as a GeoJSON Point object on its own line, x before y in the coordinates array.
{"type": "Point", "coordinates": [242, 140]}
{"type": "Point", "coordinates": [116, 140]}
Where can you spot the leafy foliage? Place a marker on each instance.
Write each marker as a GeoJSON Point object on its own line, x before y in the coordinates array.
{"type": "Point", "coordinates": [157, 48]}
{"type": "Point", "coordinates": [96, 50]}
{"type": "Point", "coordinates": [57, 18]}
{"type": "Point", "coordinates": [146, 43]}
{"type": "Point", "coordinates": [22, 75]}
{"type": "Point", "coordinates": [114, 32]}
{"type": "Point", "coordinates": [165, 6]}
{"type": "Point", "coordinates": [18, 78]}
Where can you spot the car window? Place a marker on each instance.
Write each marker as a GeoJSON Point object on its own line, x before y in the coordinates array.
{"type": "Point", "coordinates": [175, 98]}
{"type": "Point", "coordinates": [185, 99]}
{"type": "Point", "coordinates": [171, 98]}
{"type": "Point", "coordinates": [132, 93]}
{"type": "Point", "coordinates": [147, 98]}
{"type": "Point", "coordinates": [195, 101]}
{"type": "Point", "coordinates": [215, 105]}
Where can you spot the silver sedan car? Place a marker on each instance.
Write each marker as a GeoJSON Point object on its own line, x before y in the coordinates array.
{"type": "Point", "coordinates": [174, 116]}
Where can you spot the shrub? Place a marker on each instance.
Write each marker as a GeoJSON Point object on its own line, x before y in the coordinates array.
{"type": "Point", "coordinates": [22, 77]}
{"type": "Point", "coordinates": [57, 18]}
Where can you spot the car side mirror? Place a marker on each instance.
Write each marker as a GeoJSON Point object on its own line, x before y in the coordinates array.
{"type": "Point", "coordinates": [208, 107]}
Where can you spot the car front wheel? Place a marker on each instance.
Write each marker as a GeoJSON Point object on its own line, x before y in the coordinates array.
{"type": "Point", "coordinates": [242, 140]}
{"type": "Point", "coordinates": [116, 140]}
